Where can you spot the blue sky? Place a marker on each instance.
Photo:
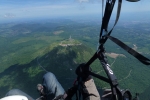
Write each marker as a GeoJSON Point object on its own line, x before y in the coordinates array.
{"type": "Point", "coordinates": [17, 9]}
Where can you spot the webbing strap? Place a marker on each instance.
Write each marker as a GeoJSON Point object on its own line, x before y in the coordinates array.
{"type": "Point", "coordinates": [137, 55]}
{"type": "Point", "coordinates": [108, 11]}
{"type": "Point", "coordinates": [104, 26]}
{"type": "Point", "coordinates": [93, 58]}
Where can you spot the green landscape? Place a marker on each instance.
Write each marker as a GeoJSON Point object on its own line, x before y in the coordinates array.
{"type": "Point", "coordinates": [60, 45]}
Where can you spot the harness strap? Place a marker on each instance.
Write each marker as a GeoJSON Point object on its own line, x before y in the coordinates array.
{"type": "Point", "coordinates": [134, 53]}
{"type": "Point", "coordinates": [107, 18]}
{"type": "Point", "coordinates": [107, 15]}
{"type": "Point", "coordinates": [79, 88]}
{"type": "Point", "coordinates": [108, 11]}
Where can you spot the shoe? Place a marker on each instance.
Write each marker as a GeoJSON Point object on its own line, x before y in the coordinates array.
{"type": "Point", "coordinates": [40, 88]}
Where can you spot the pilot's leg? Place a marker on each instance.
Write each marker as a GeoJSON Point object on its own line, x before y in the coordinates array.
{"type": "Point", "coordinates": [52, 87]}
{"type": "Point", "coordinates": [90, 90]}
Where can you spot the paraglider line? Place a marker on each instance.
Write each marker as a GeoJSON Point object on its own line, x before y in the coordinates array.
{"type": "Point", "coordinates": [41, 66]}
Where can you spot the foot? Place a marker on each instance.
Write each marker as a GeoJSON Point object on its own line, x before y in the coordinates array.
{"type": "Point", "coordinates": [40, 88]}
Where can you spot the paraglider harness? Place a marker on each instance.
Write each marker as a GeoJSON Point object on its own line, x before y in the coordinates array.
{"type": "Point", "coordinates": [117, 93]}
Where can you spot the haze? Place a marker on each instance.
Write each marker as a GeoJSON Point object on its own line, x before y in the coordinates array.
{"type": "Point", "coordinates": [12, 10]}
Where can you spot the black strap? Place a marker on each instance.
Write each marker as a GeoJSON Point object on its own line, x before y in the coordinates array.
{"type": "Point", "coordinates": [79, 88]}
{"type": "Point", "coordinates": [93, 58]}
{"type": "Point", "coordinates": [106, 19]}
{"type": "Point", "coordinates": [108, 11]}
{"type": "Point", "coordinates": [140, 57]}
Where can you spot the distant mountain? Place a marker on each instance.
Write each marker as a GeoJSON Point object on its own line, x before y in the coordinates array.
{"type": "Point", "coordinates": [29, 28]}
{"type": "Point", "coordinates": [26, 28]}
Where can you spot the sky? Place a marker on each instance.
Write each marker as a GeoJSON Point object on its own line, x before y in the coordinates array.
{"type": "Point", "coordinates": [19, 9]}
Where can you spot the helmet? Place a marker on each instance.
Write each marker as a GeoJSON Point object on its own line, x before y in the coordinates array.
{"type": "Point", "coordinates": [15, 97]}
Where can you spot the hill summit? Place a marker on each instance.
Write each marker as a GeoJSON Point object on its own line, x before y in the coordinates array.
{"type": "Point", "coordinates": [70, 42]}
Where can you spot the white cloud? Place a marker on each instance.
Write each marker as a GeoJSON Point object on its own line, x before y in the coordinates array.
{"type": "Point", "coordinates": [89, 1]}
{"type": "Point", "coordinates": [83, 1]}
{"type": "Point", "coordinates": [9, 15]}
{"type": "Point", "coordinates": [35, 11]}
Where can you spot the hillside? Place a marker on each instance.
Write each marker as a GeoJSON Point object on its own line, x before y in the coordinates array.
{"type": "Point", "coordinates": [62, 61]}
{"type": "Point", "coordinates": [145, 94]}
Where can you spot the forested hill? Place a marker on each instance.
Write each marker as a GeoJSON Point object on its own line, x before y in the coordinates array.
{"type": "Point", "coordinates": [62, 61]}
